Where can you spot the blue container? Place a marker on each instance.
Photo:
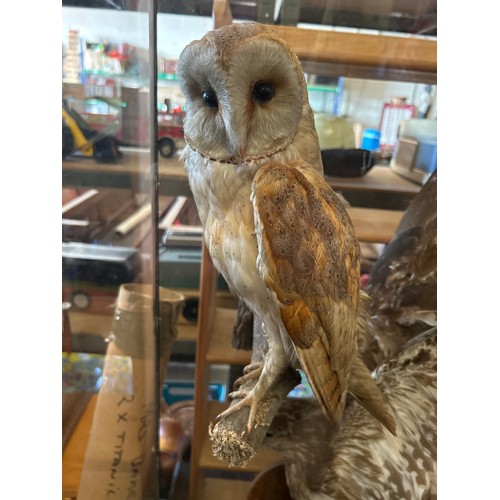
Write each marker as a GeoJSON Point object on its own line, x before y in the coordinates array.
{"type": "Point", "coordinates": [427, 155]}
{"type": "Point", "coordinates": [370, 139]}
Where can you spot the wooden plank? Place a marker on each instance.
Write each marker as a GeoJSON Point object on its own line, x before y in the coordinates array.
{"type": "Point", "coordinates": [73, 407]}
{"type": "Point", "coordinates": [74, 453]}
{"type": "Point", "coordinates": [262, 460]}
{"type": "Point", "coordinates": [173, 178]}
{"type": "Point", "coordinates": [221, 13]}
{"type": "Point", "coordinates": [102, 324]}
{"type": "Point", "coordinates": [406, 53]}
{"type": "Point", "coordinates": [98, 324]}
{"type": "Point", "coordinates": [223, 489]}
{"type": "Point", "coordinates": [220, 349]}
{"type": "Point", "coordinates": [84, 197]}
{"type": "Point", "coordinates": [368, 72]}
{"type": "Point", "coordinates": [187, 330]}
{"type": "Point", "coordinates": [206, 312]}
{"type": "Point", "coordinates": [378, 179]}
{"type": "Point", "coordinates": [127, 225]}
{"type": "Point", "coordinates": [374, 225]}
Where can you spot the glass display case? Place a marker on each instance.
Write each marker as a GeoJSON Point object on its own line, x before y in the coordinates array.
{"type": "Point", "coordinates": [148, 325]}
{"type": "Point", "coordinates": [116, 351]}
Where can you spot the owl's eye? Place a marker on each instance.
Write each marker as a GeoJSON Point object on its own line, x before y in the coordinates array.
{"type": "Point", "coordinates": [263, 91]}
{"type": "Point", "coordinates": [209, 98]}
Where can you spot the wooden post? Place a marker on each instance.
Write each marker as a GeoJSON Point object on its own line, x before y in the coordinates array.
{"type": "Point", "coordinates": [221, 13]}
{"type": "Point", "coordinates": [206, 312]}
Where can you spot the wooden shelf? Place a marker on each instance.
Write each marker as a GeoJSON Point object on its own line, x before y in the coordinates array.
{"type": "Point", "coordinates": [74, 452]}
{"type": "Point", "coordinates": [102, 324]}
{"type": "Point", "coordinates": [187, 330]}
{"type": "Point", "coordinates": [338, 53]}
{"type": "Point", "coordinates": [379, 179]}
{"type": "Point", "coordinates": [261, 461]}
{"type": "Point", "coordinates": [131, 172]}
{"type": "Point", "coordinates": [330, 52]}
{"type": "Point", "coordinates": [173, 178]}
{"type": "Point", "coordinates": [223, 489]}
{"type": "Point", "coordinates": [374, 225]}
{"type": "Point", "coordinates": [404, 52]}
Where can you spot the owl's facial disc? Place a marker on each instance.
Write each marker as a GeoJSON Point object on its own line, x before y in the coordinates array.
{"type": "Point", "coordinates": [266, 97]}
{"type": "Point", "coordinates": [203, 82]}
{"type": "Point", "coordinates": [242, 105]}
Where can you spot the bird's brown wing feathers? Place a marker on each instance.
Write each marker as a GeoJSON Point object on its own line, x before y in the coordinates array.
{"type": "Point", "coordinates": [309, 257]}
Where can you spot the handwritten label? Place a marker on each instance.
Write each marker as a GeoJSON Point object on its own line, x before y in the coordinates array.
{"type": "Point", "coordinates": [125, 441]}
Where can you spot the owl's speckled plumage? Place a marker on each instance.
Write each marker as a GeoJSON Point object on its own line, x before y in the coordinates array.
{"type": "Point", "coordinates": [275, 230]}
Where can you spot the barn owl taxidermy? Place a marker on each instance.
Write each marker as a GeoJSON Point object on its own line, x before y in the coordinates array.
{"type": "Point", "coordinates": [275, 230]}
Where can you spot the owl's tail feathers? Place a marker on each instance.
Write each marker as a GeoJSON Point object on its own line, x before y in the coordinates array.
{"type": "Point", "coordinates": [364, 389]}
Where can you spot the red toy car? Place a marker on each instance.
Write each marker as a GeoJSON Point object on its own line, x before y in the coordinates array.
{"type": "Point", "coordinates": [170, 133]}
{"type": "Point", "coordinates": [131, 128]}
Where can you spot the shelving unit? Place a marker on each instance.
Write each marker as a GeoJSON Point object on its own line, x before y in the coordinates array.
{"type": "Point", "coordinates": [325, 52]}
{"type": "Point", "coordinates": [379, 57]}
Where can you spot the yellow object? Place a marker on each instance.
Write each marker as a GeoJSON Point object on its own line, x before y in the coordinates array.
{"type": "Point", "coordinates": [81, 142]}
{"type": "Point", "coordinates": [334, 132]}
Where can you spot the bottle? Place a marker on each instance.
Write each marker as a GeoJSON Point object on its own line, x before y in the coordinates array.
{"type": "Point", "coordinates": [393, 112]}
{"type": "Point", "coordinates": [425, 102]}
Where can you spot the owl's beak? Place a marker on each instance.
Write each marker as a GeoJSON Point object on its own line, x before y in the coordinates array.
{"type": "Point", "coordinates": [237, 125]}
{"type": "Point", "coordinates": [238, 152]}
{"type": "Point", "coordinates": [240, 148]}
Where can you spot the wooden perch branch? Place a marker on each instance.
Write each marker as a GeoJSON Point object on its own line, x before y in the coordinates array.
{"type": "Point", "coordinates": [231, 442]}
{"type": "Point", "coordinates": [242, 337]}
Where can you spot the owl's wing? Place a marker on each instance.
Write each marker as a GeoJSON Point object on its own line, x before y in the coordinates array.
{"type": "Point", "coordinates": [309, 257]}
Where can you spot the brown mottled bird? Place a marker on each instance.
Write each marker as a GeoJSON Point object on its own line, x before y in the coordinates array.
{"type": "Point", "coordinates": [403, 282]}
{"type": "Point", "coordinates": [357, 460]}
{"type": "Point", "coordinates": [275, 230]}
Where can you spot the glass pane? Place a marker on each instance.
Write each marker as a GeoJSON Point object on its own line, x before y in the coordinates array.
{"type": "Point", "coordinates": [370, 72]}
{"type": "Point", "coordinates": [111, 361]}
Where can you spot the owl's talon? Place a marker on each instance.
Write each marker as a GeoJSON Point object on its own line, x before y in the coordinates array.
{"type": "Point", "coordinates": [251, 417]}
{"type": "Point", "coordinates": [237, 394]}
{"type": "Point", "coordinates": [255, 366]}
{"type": "Point", "coordinates": [248, 400]}
{"type": "Point", "coordinates": [251, 372]}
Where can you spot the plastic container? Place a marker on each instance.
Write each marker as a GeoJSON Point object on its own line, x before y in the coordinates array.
{"type": "Point", "coordinates": [371, 139]}
{"type": "Point", "coordinates": [333, 131]}
{"type": "Point", "coordinates": [426, 159]}
{"type": "Point", "coordinates": [425, 132]}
